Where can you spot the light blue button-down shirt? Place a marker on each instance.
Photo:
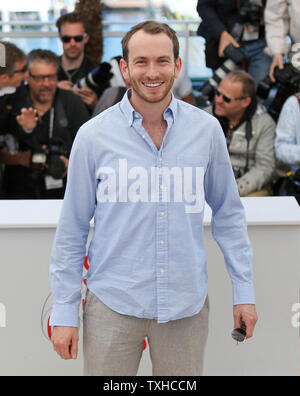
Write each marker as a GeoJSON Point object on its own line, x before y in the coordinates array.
{"type": "Point", "coordinates": [147, 256]}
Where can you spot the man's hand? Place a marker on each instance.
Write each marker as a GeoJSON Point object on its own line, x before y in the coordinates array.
{"type": "Point", "coordinates": [277, 61]}
{"type": "Point", "coordinates": [65, 341]}
{"type": "Point", "coordinates": [225, 40]}
{"type": "Point", "coordinates": [27, 119]}
{"type": "Point", "coordinates": [88, 96]}
{"type": "Point", "coordinates": [246, 313]}
{"type": "Point", "coordinates": [66, 85]}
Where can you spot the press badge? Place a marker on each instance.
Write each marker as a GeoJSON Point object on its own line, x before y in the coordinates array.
{"type": "Point", "coordinates": [250, 33]}
{"type": "Point", "coordinates": [52, 183]}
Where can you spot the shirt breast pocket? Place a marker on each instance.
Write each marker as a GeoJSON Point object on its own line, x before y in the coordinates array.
{"type": "Point", "coordinates": [192, 161]}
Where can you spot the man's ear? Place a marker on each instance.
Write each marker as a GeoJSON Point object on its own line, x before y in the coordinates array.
{"type": "Point", "coordinates": [124, 69]}
{"type": "Point", "coordinates": [247, 101]}
{"type": "Point", "coordinates": [178, 65]}
{"type": "Point", "coordinates": [86, 39]}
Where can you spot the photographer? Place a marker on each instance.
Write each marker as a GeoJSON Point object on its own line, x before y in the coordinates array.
{"type": "Point", "coordinates": [74, 64]}
{"type": "Point", "coordinates": [46, 126]}
{"type": "Point", "coordinates": [11, 77]}
{"type": "Point", "coordinates": [282, 18]}
{"type": "Point", "coordinates": [236, 22]}
{"type": "Point", "coordinates": [249, 132]}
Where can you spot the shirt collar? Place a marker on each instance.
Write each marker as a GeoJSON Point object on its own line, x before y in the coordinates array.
{"type": "Point", "coordinates": [131, 114]}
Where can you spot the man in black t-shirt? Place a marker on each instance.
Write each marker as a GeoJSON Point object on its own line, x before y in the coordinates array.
{"type": "Point", "coordinates": [74, 65]}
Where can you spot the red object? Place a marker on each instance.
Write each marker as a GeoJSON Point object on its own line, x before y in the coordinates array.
{"type": "Point", "coordinates": [49, 328]}
{"type": "Point", "coordinates": [145, 345]}
{"type": "Point", "coordinates": [86, 263]}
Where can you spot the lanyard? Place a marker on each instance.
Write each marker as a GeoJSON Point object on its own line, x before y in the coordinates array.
{"type": "Point", "coordinates": [51, 123]}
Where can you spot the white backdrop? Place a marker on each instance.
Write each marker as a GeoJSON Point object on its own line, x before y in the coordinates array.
{"type": "Point", "coordinates": [26, 234]}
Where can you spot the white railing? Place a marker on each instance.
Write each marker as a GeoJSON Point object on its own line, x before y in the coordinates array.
{"type": "Point", "coordinates": [184, 28]}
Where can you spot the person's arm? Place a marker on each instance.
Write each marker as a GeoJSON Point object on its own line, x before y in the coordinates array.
{"type": "Point", "coordinates": [229, 228]}
{"type": "Point", "coordinates": [277, 25]}
{"type": "Point", "coordinates": [69, 248]}
{"type": "Point", "coordinates": [88, 96]}
{"type": "Point", "coordinates": [207, 12]}
{"type": "Point", "coordinates": [264, 167]}
{"type": "Point", "coordinates": [286, 147]}
{"type": "Point", "coordinates": [213, 26]}
{"type": "Point", "coordinates": [65, 84]}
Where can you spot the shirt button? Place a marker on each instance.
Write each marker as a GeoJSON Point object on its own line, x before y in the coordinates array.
{"type": "Point", "coordinates": [144, 136]}
{"type": "Point", "coordinates": [161, 187]}
{"type": "Point", "coordinates": [160, 159]}
{"type": "Point", "coordinates": [162, 242]}
{"type": "Point", "coordinates": [162, 271]}
{"type": "Point", "coordinates": [162, 214]}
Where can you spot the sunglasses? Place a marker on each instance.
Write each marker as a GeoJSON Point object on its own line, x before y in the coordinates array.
{"type": "Point", "coordinates": [23, 70]}
{"type": "Point", "coordinates": [226, 98]}
{"type": "Point", "coordinates": [77, 39]}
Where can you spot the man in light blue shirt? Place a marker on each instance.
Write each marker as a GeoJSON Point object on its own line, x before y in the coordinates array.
{"type": "Point", "coordinates": [143, 169]}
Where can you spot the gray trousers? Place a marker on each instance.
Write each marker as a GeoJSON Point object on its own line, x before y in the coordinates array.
{"type": "Point", "coordinates": [113, 343]}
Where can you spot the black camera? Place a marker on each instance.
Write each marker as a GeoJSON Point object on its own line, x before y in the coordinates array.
{"type": "Point", "coordinates": [249, 14]}
{"type": "Point", "coordinates": [97, 80]}
{"type": "Point", "coordinates": [236, 58]}
{"type": "Point", "coordinates": [288, 81]}
{"type": "Point", "coordinates": [290, 185]}
{"type": "Point", "coordinates": [50, 156]}
{"type": "Point", "coordinates": [2, 141]}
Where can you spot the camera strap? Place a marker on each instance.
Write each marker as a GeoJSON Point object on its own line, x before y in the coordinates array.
{"type": "Point", "coordinates": [248, 138]}
{"type": "Point", "coordinates": [51, 123]}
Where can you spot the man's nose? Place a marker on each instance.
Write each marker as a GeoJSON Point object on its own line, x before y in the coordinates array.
{"type": "Point", "coordinates": [152, 71]}
{"type": "Point", "coordinates": [46, 81]}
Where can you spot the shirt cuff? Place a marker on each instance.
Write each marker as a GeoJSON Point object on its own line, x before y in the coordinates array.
{"type": "Point", "coordinates": [243, 293]}
{"type": "Point", "coordinates": [65, 315]}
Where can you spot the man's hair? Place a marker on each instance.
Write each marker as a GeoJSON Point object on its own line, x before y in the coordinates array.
{"type": "Point", "coordinates": [71, 17]}
{"type": "Point", "coordinates": [151, 27]}
{"type": "Point", "coordinates": [245, 79]}
{"type": "Point", "coordinates": [12, 54]}
{"type": "Point", "coordinates": [42, 55]}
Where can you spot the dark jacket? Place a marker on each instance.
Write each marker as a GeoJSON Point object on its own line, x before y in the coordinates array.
{"type": "Point", "coordinates": [85, 68]}
{"type": "Point", "coordinates": [217, 16]}
{"type": "Point", "coordinates": [69, 114]}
